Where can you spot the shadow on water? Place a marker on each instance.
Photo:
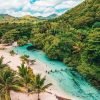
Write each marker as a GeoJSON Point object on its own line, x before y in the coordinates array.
{"type": "Point", "coordinates": [68, 80]}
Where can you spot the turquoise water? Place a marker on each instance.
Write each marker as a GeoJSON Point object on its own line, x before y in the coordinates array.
{"type": "Point", "coordinates": [70, 81]}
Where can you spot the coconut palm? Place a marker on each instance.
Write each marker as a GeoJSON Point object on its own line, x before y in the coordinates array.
{"type": "Point", "coordinates": [2, 65]}
{"type": "Point", "coordinates": [39, 85]}
{"type": "Point", "coordinates": [25, 59]}
{"type": "Point", "coordinates": [8, 81]}
{"type": "Point", "coordinates": [26, 74]}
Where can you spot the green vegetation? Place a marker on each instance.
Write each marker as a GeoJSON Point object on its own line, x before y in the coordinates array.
{"type": "Point", "coordinates": [96, 25]}
{"type": "Point", "coordinates": [73, 38]}
{"type": "Point", "coordinates": [1, 63]}
{"type": "Point", "coordinates": [25, 59]}
{"type": "Point", "coordinates": [22, 81]}
{"type": "Point", "coordinates": [39, 85]}
{"type": "Point", "coordinates": [8, 81]}
{"type": "Point", "coordinates": [12, 52]}
{"type": "Point", "coordinates": [27, 75]}
{"type": "Point", "coordinates": [22, 41]}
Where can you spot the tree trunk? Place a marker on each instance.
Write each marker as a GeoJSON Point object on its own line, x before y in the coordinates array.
{"type": "Point", "coordinates": [38, 96]}
{"type": "Point", "coordinates": [7, 95]}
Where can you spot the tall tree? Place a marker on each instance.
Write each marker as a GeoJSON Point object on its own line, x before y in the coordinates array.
{"type": "Point", "coordinates": [8, 81]}
{"type": "Point", "coordinates": [25, 59]}
{"type": "Point", "coordinates": [39, 85]}
{"type": "Point", "coordinates": [2, 65]}
{"type": "Point", "coordinates": [26, 74]}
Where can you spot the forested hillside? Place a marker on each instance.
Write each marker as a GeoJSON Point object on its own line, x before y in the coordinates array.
{"type": "Point", "coordinates": [83, 15]}
{"type": "Point", "coordinates": [73, 38]}
{"type": "Point", "coordinates": [6, 17]}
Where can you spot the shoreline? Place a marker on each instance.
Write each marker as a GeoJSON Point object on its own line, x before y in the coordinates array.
{"type": "Point", "coordinates": [38, 67]}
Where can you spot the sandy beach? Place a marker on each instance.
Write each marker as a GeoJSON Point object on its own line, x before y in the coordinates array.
{"type": "Point", "coordinates": [38, 67]}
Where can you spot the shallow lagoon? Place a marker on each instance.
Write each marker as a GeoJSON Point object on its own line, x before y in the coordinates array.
{"type": "Point", "coordinates": [71, 82]}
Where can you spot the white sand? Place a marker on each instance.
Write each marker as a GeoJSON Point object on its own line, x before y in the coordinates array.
{"type": "Point", "coordinates": [38, 67]}
{"type": "Point", "coordinates": [23, 96]}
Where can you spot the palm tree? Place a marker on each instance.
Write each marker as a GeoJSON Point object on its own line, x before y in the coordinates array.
{"type": "Point", "coordinates": [26, 74]}
{"type": "Point", "coordinates": [1, 63]}
{"type": "Point", "coordinates": [39, 85]}
{"type": "Point", "coordinates": [8, 81]}
{"type": "Point", "coordinates": [25, 59]}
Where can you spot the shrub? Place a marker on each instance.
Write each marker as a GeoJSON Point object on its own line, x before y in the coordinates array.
{"type": "Point", "coordinates": [96, 25]}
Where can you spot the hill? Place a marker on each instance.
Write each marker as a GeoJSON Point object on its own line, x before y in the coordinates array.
{"type": "Point", "coordinates": [85, 14]}
{"type": "Point", "coordinates": [28, 18]}
{"type": "Point", "coordinates": [52, 16]}
{"type": "Point", "coordinates": [24, 19]}
{"type": "Point", "coordinates": [6, 17]}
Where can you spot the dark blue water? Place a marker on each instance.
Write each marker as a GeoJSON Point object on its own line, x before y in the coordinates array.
{"type": "Point", "coordinates": [70, 81]}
